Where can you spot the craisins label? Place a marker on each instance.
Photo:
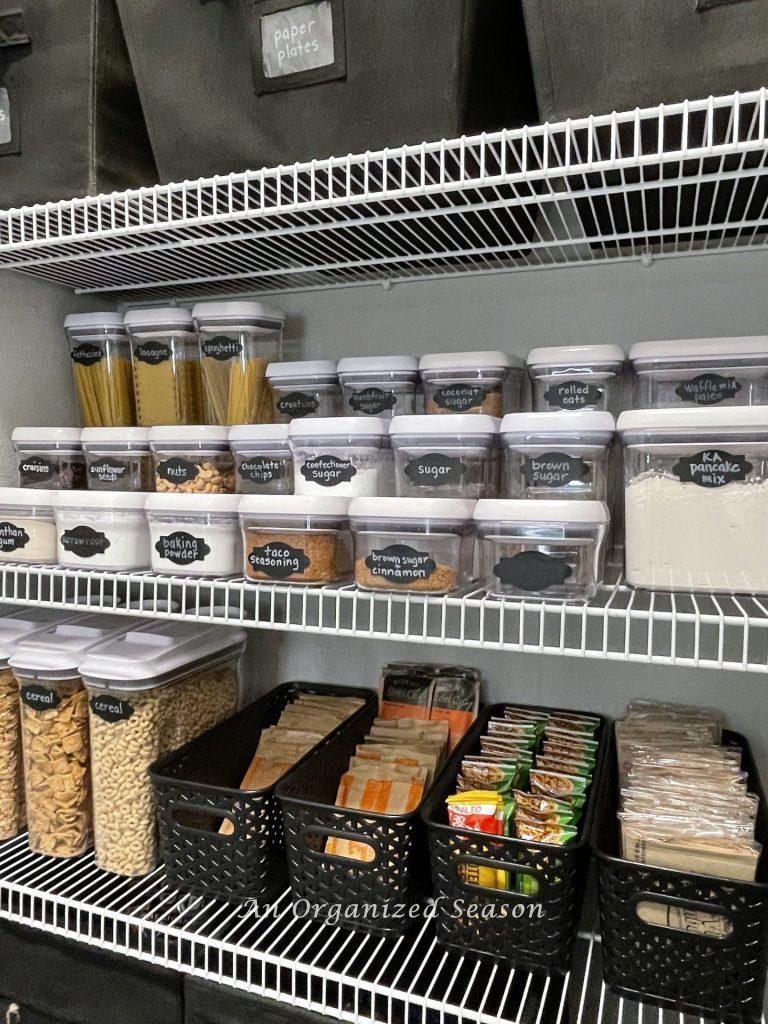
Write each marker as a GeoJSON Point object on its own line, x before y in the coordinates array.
{"type": "Point", "coordinates": [35, 469]}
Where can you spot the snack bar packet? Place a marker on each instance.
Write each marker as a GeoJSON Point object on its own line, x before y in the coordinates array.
{"type": "Point", "coordinates": [533, 831]}
{"type": "Point", "coordinates": [558, 784]}
{"type": "Point", "coordinates": [404, 692]}
{"type": "Point", "coordinates": [454, 699]}
{"type": "Point", "coordinates": [478, 811]}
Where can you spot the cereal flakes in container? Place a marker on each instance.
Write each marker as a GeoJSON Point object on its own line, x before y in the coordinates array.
{"type": "Point", "coordinates": [98, 530]}
{"type": "Point", "coordinates": [379, 385]}
{"type": "Point", "coordinates": [192, 460]}
{"type": "Point", "coordinates": [471, 382]}
{"type": "Point", "coordinates": [150, 692]}
{"type": "Point", "coordinates": [445, 457]}
{"type": "Point", "coordinates": [118, 459]}
{"type": "Point", "coordinates": [566, 378]}
{"type": "Point", "coordinates": [166, 366]}
{"type": "Point", "coordinates": [49, 457]}
{"type": "Point", "coordinates": [304, 388]}
{"type": "Point", "coordinates": [27, 526]}
{"type": "Point", "coordinates": [101, 367]}
{"type": "Point", "coordinates": [195, 534]}
{"type": "Point", "coordinates": [342, 455]}
{"type": "Point", "coordinates": [263, 460]}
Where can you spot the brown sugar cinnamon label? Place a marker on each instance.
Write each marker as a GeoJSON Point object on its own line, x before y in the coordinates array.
{"type": "Point", "coordinates": [297, 405]}
{"type": "Point", "coordinates": [708, 389]}
{"type": "Point", "coordinates": [573, 394]}
{"type": "Point", "coordinates": [178, 471]}
{"type": "Point", "coordinates": [532, 570]}
{"type": "Point", "coordinates": [278, 560]}
{"type": "Point", "coordinates": [152, 352]}
{"type": "Point", "coordinates": [328, 470]}
{"type": "Point", "coordinates": [435, 470]}
{"type": "Point", "coordinates": [86, 354]}
{"type": "Point", "coordinates": [372, 401]}
{"type": "Point", "coordinates": [553, 469]}
{"type": "Point", "coordinates": [39, 698]}
{"type": "Point", "coordinates": [84, 541]}
{"type": "Point", "coordinates": [460, 397]}
{"type": "Point", "coordinates": [35, 470]}
{"type": "Point", "coordinates": [111, 709]}
{"type": "Point", "coordinates": [399, 563]}
{"type": "Point", "coordinates": [712, 467]}
{"type": "Point", "coordinates": [221, 348]}
{"type": "Point", "coordinates": [12, 537]}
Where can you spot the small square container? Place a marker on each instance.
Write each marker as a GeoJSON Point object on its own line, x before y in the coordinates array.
{"type": "Point", "coordinates": [471, 382]}
{"type": "Point", "coordinates": [346, 456]}
{"type": "Point", "coordinates": [557, 455]}
{"type": "Point", "coordinates": [263, 460]}
{"type": "Point", "coordinates": [101, 367]}
{"type": "Point", "coordinates": [696, 498]}
{"type": "Point", "coordinates": [118, 459]}
{"type": "Point", "coordinates": [27, 526]}
{"type": "Point", "coordinates": [382, 386]}
{"type": "Point", "coordinates": [306, 388]}
{"type": "Point", "coordinates": [700, 372]}
{"type": "Point", "coordinates": [445, 457]}
{"type": "Point", "coordinates": [552, 550]}
{"type": "Point", "coordinates": [150, 692]}
{"type": "Point", "coordinates": [166, 366]}
{"type": "Point", "coordinates": [412, 545]}
{"type": "Point", "coordinates": [192, 460]}
{"type": "Point", "coordinates": [568, 378]}
{"type": "Point", "coordinates": [102, 531]}
{"type": "Point", "coordinates": [49, 457]}
{"type": "Point", "coordinates": [237, 342]}
{"type": "Point", "coordinates": [296, 538]}
{"type": "Point", "coordinates": [195, 534]}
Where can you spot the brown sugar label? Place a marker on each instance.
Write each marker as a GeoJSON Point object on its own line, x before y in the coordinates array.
{"type": "Point", "coordinates": [182, 548]}
{"type": "Point", "coordinates": [178, 471]}
{"type": "Point", "coordinates": [107, 471]}
{"type": "Point", "coordinates": [532, 570]}
{"type": "Point", "coordinates": [278, 560]}
{"type": "Point", "coordinates": [84, 541]}
{"type": "Point", "coordinates": [435, 470]}
{"type": "Point", "coordinates": [86, 354]}
{"type": "Point", "coordinates": [152, 352]}
{"type": "Point", "coordinates": [12, 537]}
{"type": "Point", "coordinates": [297, 405]}
{"type": "Point", "coordinates": [39, 698]}
{"type": "Point", "coordinates": [328, 470]}
{"type": "Point", "coordinates": [712, 467]}
{"type": "Point", "coordinates": [708, 389]}
{"type": "Point", "coordinates": [372, 401]}
{"type": "Point", "coordinates": [460, 397]}
{"type": "Point", "coordinates": [221, 348]}
{"type": "Point", "coordinates": [110, 709]}
{"type": "Point", "coordinates": [262, 469]}
{"type": "Point", "coordinates": [573, 394]}
{"type": "Point", "coordinates": [35, 470]}
{"type": "Point", "coordinates": [399, 563]}
{"type": "Point", "coordinates": [553, 469]}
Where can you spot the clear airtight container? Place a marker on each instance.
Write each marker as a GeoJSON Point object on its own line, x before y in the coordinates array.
{"type": "Point", "coordinates": [192, 460]}
{"type": "Point", "coordinates": [237, 342]}
{"type": "Point", "coordinates": [166, 366]}
{"type": "Point", "coordinates": [306, 388]}
{"type": "Point", "coordinates": [49, 457]}
{"type": "Point", "coordinates": [544, 549]}
{"type": "Point", "coordinates": [118, 459]}
{"type": "Point", "coordinates": [296, 538]}
{"type": "Point", "coordinates": [413, 545]}
{"type": "Point", "coordinates": [444, 457]}
{"type": "Point", "coordinates": [263, 460]}
{"type": "Point", "coordinates": [700, 372]}
{"type": "Point", "coordinates": [101, 367]}
{"type": "Point", "coordinates": [27, 526]}
{"type": "Point", "coordinates": [149, 692]}
{"type": "Point", "coordinates": [195, 534]}
{"type": "Point", "coordinates": [557, 455]}
{"type": "Point", "coordinates": [379, 385]}
{"type": "Point", "coordinates": [471, 382]}
{"type": "Point", "coordinates": [102, 531]}
{"type": "Point", "coordinates": [696, 498]}
{"type": "Point", "coordinates": [344, 455]}
{"type": "Point", "coordinates": [572, 377]}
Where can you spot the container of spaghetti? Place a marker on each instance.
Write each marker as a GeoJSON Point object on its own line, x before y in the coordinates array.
{"type": "Point", "coordinates": [166, 366]}
{"type": "Point", "coordinates": [101, 367]}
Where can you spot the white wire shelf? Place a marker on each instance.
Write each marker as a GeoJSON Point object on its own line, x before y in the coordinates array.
{"type": "Point", "coordinates": [664, 181]}
{"type": "Point", "coordinates": [620, 624]}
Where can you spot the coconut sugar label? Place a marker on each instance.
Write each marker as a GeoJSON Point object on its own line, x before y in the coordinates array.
{"type": "Point", "coordinates": [460, 397]}
{"type": "Point", "coordinates": [712, 467]}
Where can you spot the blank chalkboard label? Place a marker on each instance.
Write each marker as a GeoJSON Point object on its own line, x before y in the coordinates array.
{"type": "Point", "coordinates": [297, 39]}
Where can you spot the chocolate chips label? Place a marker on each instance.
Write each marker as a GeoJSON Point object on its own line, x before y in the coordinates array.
{"type": "Point", "coordinates": [435, 470]}
{"type": "Point", "coordinates": [182, 548]}
{"type": "Point", "coordinates": [35, 470]}
{"type": "Point", "coordinates": [111, 709]}
{"type": "Point", "coordinates": [573, 394]}
{"type": "Point", "coordinates": [86, 354]}
{"type": "Point", "coordinates": [152, 352]}
{"type": "Point", "coordinates": [532, 570]}
{"type": "Point", "coordinates": [297, 405]}
{"type": "Point", "coordinates": [328, 470]}
{"type": "Point", "coordinates": [177, 471]}
{"type": "Point", "coordinates": [460, 397]}
{"type": "Point", "coordinates": [372, 401]}
{"type": "Point", "coordinates": [712, 467]}
{"type": "Point", "coordinates": [261, 469]}
{"type": "Point", "coordinates": [708, 389]}
{"type": "Point", "coordinates": [107, 471]}
{"type": "Point", "coordinates": [40, 698]}
{"type": "Point", "coordinates": [553, 469]}
{"type": "Point", "coordinates": [12, 537]}
{"type": "Point", "coordinates": [84, 541]}
{"type": "Point", "coordinates": [221, 348]}
{"type": "Point", "coordinates": [278, 560]}
{"type": "Point", "coordinates": [399, 563]}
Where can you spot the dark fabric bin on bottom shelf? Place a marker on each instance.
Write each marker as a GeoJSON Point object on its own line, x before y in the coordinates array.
{"type": "Point", "coordinates": [208, 1003]}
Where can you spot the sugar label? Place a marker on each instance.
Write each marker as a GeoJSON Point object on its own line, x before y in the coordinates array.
{"type": "Point", "coordinates": [435, 470]}
{"type": "Point", "coordinates": [12, 537]}
{"type": "Point", "coordinates": [708, 389]}
{"type": "Point", "coordinates": [573, 394]}
{"type": "Point", "coordinates": [532, 570]}
{"type": "Point", "coordinates": [372, 401]}
{"type": "Point", "coordinates": [84, 541]}
{"type": "Point", "coordinates": [553, 469]}
{"type": "Point", "coordinates": [712, 467]}
{"type": "Point", "coordinates": [182, 548]}
{"type": "Point", "coordinates": [399, 563]}
{"type": "Point", "coordinates": [328, 470]}
{"type": "Point", "coordinates": [278, 560]}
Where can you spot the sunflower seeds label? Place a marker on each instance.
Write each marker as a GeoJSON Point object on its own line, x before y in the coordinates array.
{"type": "Point", "coordinates": [460, 397]}
{"type": "Point", "coordinates": [708, 389]}
{"type": "Point", "coordinates": [182, 548]}
{"type": "Point", "coordinates": [399, 563]}
{"type": "Point", "coordinates": [372, 401]}
{"type": "Point", "coordinates": [84, 541]}
{"type": "Point", "coordinates": [178, 471]}
{"type": "Point", "coordinates": [261, 469]}
{"type": "Point", "coordinates": [553, 469]}
{"type": "Point", "coordinates": [152, 352]}
{"type": "Point", "coordinates": [297, 405]}
{"type": "Point", "coordinates": [40, 698]}
{"type": "Point", "coordinates": [573, 394]}
{"type": "Point", "coordinates": [278, 560]}
{"type": "Point", "coordinates": [12, 537]}
{"type": "Point", "coordinates": [712, 468]}
{"type": "Point", "coordinates": [110, 709]}
{"type": "Point", "coordinates": [532, 570]}
{"type": "Point", "coordinates": [107, 471]}
{"type": "Point", "coordinates": [221, 348]}
{"type": "Point", "coordinates": [86, 354]}
{"type": "Point", "coordinates": [328, 470]}
{"type": "Point", "coordinates": [35, 470]}
{"type": "Point", "coordinates": [435, 470]}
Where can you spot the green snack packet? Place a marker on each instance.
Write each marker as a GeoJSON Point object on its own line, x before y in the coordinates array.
{"type": "Point", "coordinates": [558, 784]}
{"type": "Point", "coordinates": [553, 748]}
{"type": "Point", "coordinates": [538, 832]}
{"type": "Point", "coordinates": [547, 808]}
{"type": "Point", "coordinates": [487, 775]}
{"type": "Point", "coordinates": [554, 763]}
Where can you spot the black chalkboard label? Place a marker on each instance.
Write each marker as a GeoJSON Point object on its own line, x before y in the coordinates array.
{"type": "Point", "coordinates": [532, 570]}
{"type": "Point", "coordinates": [297, 405]}
{"type": "Point", "coordinates": [399, 563]}
{"type": "Point", "coordinates": [328, 470]}
{"type": "Point", "coordinates": [372, 401]}
{"type": "Point", "coordinates": [177, 471]}
{"type": "Point", "coordinates": [278, 560]}
{"type": "Point", "coordinates": [12, 537]}
{"type": "Point", "coordinates": [107, 471]}
{"type": "Point", "coordinates": [553, 469]}
{"type": "Point", "coordinates": [573, 394]}
{"type": "Point", "coordinates": [182, 548]}
{"type": "Point", "coordinates": [86, 354]}
{"type": "Point", "coordinates": [40, 698]}
{"type": "Point", "coordinates": [152, 352]}
{"type": "Point", "coordinates": [84, 542]}
{"type": "Point", "coordinates": [262, 469]}
{"type": "Point", "coordinates": [708, 389]}
{"type": "Point", "coordinates": [221, 348]}
{"type": "Point", "coordinates": [36, 470]}
{"type": "Point", "coordinates": [111, 709]}
{"type": "Point", "coordinates": [712, 467]}
{"type": "Point", "coordinates": [460, 397]}
{"type": "Point", "coordinates": [435, 470]}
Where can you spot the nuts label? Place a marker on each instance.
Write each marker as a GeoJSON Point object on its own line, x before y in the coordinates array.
{"type": "Point", "coordinates": [278, 560]}
{"type": "Point", "coordinates": [532, 570]}
{"type": "Point", "coordinates": [460, 397]}
{"type": "Point", "coordinates": [12, 537]}
{"type": "Point", "coordinates": [712, 468]}
{"type": "Point", "coordinates": [399, 563]}
{"type": "Point", "coordinates": [221, 348]}
{"type": "Point", "coordinates": [178, 471]}
{"type": "Point", "coordinates": [107, 471]}
{"type": "Point", "coordinates": [152, 352]}
{"type": "Point", "coordinates": [553, 469]}
{"type": "Point", "coordinates": [182, 548]}
{"type": "Point", "coordinates": [708, 389]}
{"type": "Point", "coordinates": [435, 470]}
{"type": "Point", "coordinates": [86, 354]}
{"type": "Point", "coordinates": [262, 469]}
{"type": "Point", "coordinates": [573, 394]}
{"type": "Point", "coordinates": [84, 542]}
{"type": "Point", "coordinates": [35, 469]}
{"type": "Point", "coordinates": [297, 405]}
{"type": "Point", "coordinates": [328, 470]}
{"type": "Point", "coordinates": [40, 698]}
{"type": "Point", "coordinates": [110, 709]}
{"type": "Point", "coordinates": [372, 401]}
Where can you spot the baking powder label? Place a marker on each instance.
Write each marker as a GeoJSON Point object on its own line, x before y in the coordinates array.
{"type": "Point", "coordinates": [712, 467]}
{"type": "Point", "coordinates": [399, 563]}
{"type": "Point", "coordinates": [532, 570]}
{"type": "Point", "coordinates": [435, 470]}
{"type": "Point", "coordinates": [708, 389]}
{"type": "Point", "coordinates": [573, 394]}
{"type": "Point", "coordinates": [182, 548]}
{"type": "Point", "coordinates": [12, 537]}
{"type": "Point", "coordinates": [553, 469]}
{"type": "Point", "coordinates": [328, 470]}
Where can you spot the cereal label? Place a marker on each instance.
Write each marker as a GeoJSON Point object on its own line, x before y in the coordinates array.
{"type": "Point", "coordinates": [110, 709]}
{"type": "Point", "coordinates": [182, 548]}
{"type": "Point", "coordinates": [435, 470]}
{"type": "Point", "coordinates": [573, 394]}
{"type": "Point", "coordinates": [328, 470]}
{"type": "Point", "coordinates": [297, 405]}
{"type": "Point", "coordinates": [372, 401]}
{"type": "Point", "coordinates": [400, 563]}
{"type": "Point", "coordinates": [12, 537]}
{"type": "Point", "coordinates": [278, 560]}
{"type": "Point", "coordinates": [460, 397]}
{"type": "Point", "coordinates": [84, 542]}
{"type": "Point", "coordinates": [40, 698]}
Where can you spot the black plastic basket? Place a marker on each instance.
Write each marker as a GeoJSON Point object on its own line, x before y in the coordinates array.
{"type": "Point", "coordinates": [197, 790]}
{"type": "Point", "coordinates": [535, 931]}
{"type": "Point", "coordinates": [694, 973]}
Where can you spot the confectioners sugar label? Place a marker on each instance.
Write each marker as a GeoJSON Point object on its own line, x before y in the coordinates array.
{"type": "Point", "coordinates": [221, 348]}
{"type": "Point", "coordinates": [328, 470]}
{"type": "Point", "coordinates": [278, 560]}
{"type": "Point", "coordinates": [553, 469]}
{"type": "Point", "coordinates": [178, 471]}
{"type": "Point", "coordinates": [712, 467]}
{"type": "Point", "coordinates": [372, 401]}
{"type": "Point", "coordinates": [86, 354]}
{"type": "Point", "coordinates": [152, 352]}
{"type": "Point", "coordinates": [297, 405]}
{"type": "Point", "coordinates": [435, 470]}
{"type": "Point", "coordinates": [110, 709]}
{"type": "Point", "coordinates": [708, 389]}
{"type": "Point", "coordinates": [573, 394]}
{"type": "Point", "coordinates": [84, 541]}
{"type": "Point", "coordinates": [532, 570]}
{"type": "Point", "coordinates": [460, 397]}
{"type": "Point", "coordinates": [12, 537]}
{"type": "Point", "coordinates": [261, 469]}
{"type": "Point", "coordinates": [182, 548]}
{"type": "Point", "coordinates": [400, 563]}
{"type": "Point", "coordinates": [40, 698]}
{"type": "Point", "coordinates": [35, 469]}
{"type": "Point", "coordinates": [107, 471]}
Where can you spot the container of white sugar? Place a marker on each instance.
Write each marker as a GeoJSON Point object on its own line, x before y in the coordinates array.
{"type": "Point", "coordinates": [99, 530]}
{"type": "Point", "coordinates": [450, 456]}
{"type": "Point", "coordinates": [195, 534]}
{"type": "Point", "coordinates": [27, 527]}
{"type": "Point", "coordinates": [346, 456]}
{"type": "Point", "coordinates": [696, 498]}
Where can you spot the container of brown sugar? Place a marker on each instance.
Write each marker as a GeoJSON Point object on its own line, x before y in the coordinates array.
{"type": "Point", "coordinates": [296, 538]}
{"type": "Point", "coordinates": [192, 460]}
{"type": "Point", "coordinates": [471, 382]}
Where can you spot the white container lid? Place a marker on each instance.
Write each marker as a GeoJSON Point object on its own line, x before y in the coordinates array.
{"type": "Point", "coordinates": [468, 361]}
{"type": "Point", "coordinates": [189, 503]}
{"type": "Point", "coordinates": [519, 510]}
{"type": "Point", "coordinates": [56, 652]}
{"type": "Point", "coordinates": [159, 316]}
{"type": "Point", "coordinates": [56, 435]}
{"type": "Point", "coordinates": [20, 625]}
{"type": "Point", "coordinates": [173, 434]}
{"type": "Point", "coordinates": [575, 355]}
{"type": "Point", "coordinates": [294, 505]}
{"type": "Point", "coordinates": [451, 424]}
{"type": "Point", "coordinates": [584, 421]}
{"type": "Point", "coordinates": [411, 508]}
{"type": "Point", "coordinates": [258, 432]}
{"type": "Point", "coordinates": [156, 653]}
{"type": "Point", "coordinates": [105, 501]}
{"type": "Point", "coordinates": [26, 497]}
{"type": "Point", "coordinates": [115, 435]}
{"type": "Point", "coordinates": [732, 420]}
{"type": "Point", "coordinates": [301, 368]}
{"type": "Point", "coordinates": [379, 364]}
{"type": "Point", "coordinates": [79, 321]}
{"type": "Point", "coordinates": [694, 350]}
{"type": "Point", "coordinates": [339, 426]}
{"type": "Point", "coordinates": [235, 312]}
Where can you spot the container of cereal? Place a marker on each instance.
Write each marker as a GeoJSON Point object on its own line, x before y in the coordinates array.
{"type": "Point", "coordinates": [237, 342]}
{"type": "Point", "coordinates": [101, 366]}
{"type": "Point", "coordinates": [444, 457]}
{"type": "Point", "coordinates": [195, 534]}
{"type": "Point", "coordinates": [700, 372]}
{"type": "Point", "coordinates": [379, 385]}
{"type": "Point", "coordinates": [545, 549]}
{"type": "Point", "coordinates": [49, 457]}
{"type": "Point", "coordinates": [54, 729]}
{"type": "Point", "coordinates": [343, 455]}
{"type": "Point", "coordinates": [27, 527]}
{"type": "Point", "coordinates": [305, 388]}
{"type": "Point", "coordinates": [557, 454]}
{"type": "Point", "coordinates": [118, 459]}
{"type": "Point", "coordinates": [471, 382]}
{"type": "Point", "coordinates": [166, 366]}
{"type": "Point", "coordinates": [193, 460]}
{"type": "Point", "coordinates": [150, 692]}
{"type": "Point", "coordinates": [102, 531]}
{"type": "Point", "coordinates": [263, 460]}
{"type": "Point", "coordinates": [414, 545]}
{"type": "Point", "coordinates": [296, 538]}
{"type": "Point", "coordinates": [567, 378]}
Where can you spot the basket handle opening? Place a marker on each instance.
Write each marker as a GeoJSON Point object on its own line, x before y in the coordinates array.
{"type": "Point", "coordinates": [672, 913]}
{"type": "Point", "coordinates": [202, 821]}
{"type": "Point", "coordinates": [486, 875]}
{"type": "Point", "coordinates": [342, 847]}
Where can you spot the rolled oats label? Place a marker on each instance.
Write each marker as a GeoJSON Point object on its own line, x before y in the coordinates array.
{"type": "Point", "coordinates": [107, 471]}
{"type": "Point", "coordinates": [221, 348]}
{"type": "Point", "coordinates": [460, 397]}
{"type": "Point", "coordinates": [152, 352]}
{"type": "Point", "coordinates": [36, 470]}
{"type": "Point", "coordinates": [573, 394]}
{"type": "Point", "coordinates": [12, 537]}
{"type": "Point", "coordinates": [40, 698]}
{"type": "Point", "coordinates": [553, 469]}
{"type": "Point", "coordinates": [84, 541]}
{"type": "Point", "coordinates": [708, 389]}
{"type": "Point", "coordinates": [261, 469]}
{"type": "Point", "coordinates": [178, 471]}
{"type": "Point", "coordinates": [297, 405]}
{"type": "Point", "coordinates": [182, 548]}
{"type": "Point", "coordinates": [532, 570]}
{"type": "Point", "coordinates": [435, 470]}
{"type": "Point", "coordinates": [86, 354]}
{"type": "Point", "coordinates": [372, 401]}
{"type": "Point", "coordinates": [278, 560]}
{"type": "Point", "coordinates": [110, 709]}
{"type": "Point", "coordinates": [399, 563]}
{"type": "Point", "coordinates": [328, 470]}
{"type": "Point", "coordinates": [712, 468]}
